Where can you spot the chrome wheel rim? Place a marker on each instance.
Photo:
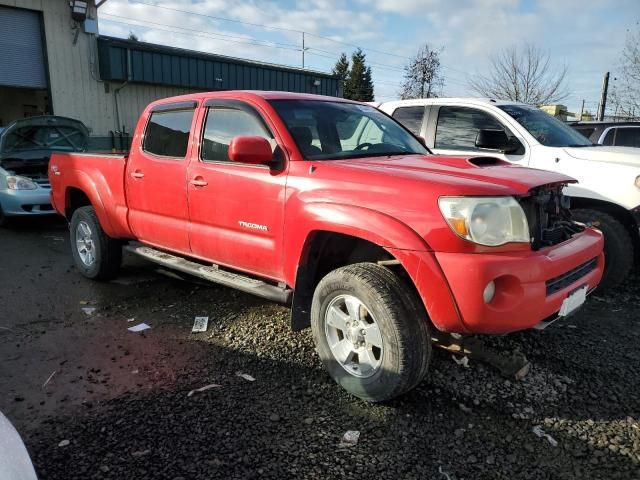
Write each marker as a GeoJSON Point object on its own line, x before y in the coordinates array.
{"type": "Point", "coordinates": [353, 336]}
{"type": "Point", "coordinates": [85, 244]}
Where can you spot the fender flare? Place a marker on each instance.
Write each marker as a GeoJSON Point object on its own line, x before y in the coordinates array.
{"type": "Point", "coordinates": [89, 187]}
{"type": "Point", "coordinates": [360, 222]}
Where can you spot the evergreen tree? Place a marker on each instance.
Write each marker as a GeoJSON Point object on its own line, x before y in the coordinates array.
{"type": "Point", "coordinates": [341, 70]}
{"type": "Point", "coordinates": [359, 83]}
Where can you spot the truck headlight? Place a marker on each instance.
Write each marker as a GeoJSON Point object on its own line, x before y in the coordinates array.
{"type": "Point", "coordinates": [490, 221]}
{"type": "Point", "coordinates": [20, 183]}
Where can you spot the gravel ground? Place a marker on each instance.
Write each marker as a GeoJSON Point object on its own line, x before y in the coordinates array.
{"type": "Point", "coordinates": [122, 402]}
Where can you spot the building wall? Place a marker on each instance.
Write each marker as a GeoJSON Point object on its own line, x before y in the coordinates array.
{"type": "Point", "coordinates": [76, 90]}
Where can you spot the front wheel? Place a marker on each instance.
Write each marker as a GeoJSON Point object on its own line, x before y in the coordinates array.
{"type": "Point", "coordinates": [618, 246]}
{"type": "Point", "coordinates": [96, 255]}
{"type": "Point", "coordinates": [371, 331]}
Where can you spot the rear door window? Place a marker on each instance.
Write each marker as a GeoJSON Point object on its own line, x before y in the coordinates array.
{"type": "Point", "coordinates": [167, 133]}
{"type": "Point", "coordinates": [627, 137]}
{"type": "Point", "coordinates": [458, 127]}
{"type": "Point", "coordinates": [410, 117]}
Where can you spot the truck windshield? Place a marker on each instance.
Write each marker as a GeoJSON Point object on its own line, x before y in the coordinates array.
{"type": "Point", "coordinates": [337, 130]}
{"type": "Point", "coordinates": [548, 130]}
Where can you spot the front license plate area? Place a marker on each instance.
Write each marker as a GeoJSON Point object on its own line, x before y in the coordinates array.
{"type": "Point", "coordinates": [573, 301]}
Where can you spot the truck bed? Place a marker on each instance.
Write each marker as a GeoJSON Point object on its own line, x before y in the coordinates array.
{"type": "Point", "coordinates": [101, 177]}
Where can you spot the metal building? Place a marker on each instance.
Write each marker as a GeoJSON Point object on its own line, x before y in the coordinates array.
{"type": "Point", "coordinates": [52, 60]}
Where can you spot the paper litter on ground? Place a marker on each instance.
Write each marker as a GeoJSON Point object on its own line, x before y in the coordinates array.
{"type": "Point", "coordinates": [246, 376]}
{"type": "Point", "coordinates": [350, 438]}
{"type": "Point", "coordinates": [203, 389]}
{"type": "Point", "coordinates": [139, 328]}
{"type": "Point", "coordinates": [200, 324]}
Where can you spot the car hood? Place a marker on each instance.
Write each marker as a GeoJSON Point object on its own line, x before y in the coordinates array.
{"type": "Point", "coordinates": [487, 171]}
{"type": "Point", "coordinates": [620, 155]}
{"type": "Point", "coordinates": [44, 133]}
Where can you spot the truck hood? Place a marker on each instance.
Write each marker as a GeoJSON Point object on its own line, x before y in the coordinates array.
{"type": "Point", "coordinates": [487, 170]}
{"type": "Point", "coordinates": [620, 155]}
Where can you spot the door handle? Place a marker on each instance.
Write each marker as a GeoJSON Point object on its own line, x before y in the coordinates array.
{"type": "Point", "coordinates": [137, 174]}
{"type": "Point", "coordinates": [199, 182]}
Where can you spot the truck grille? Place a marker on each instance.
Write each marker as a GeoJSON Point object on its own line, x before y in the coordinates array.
{"type": "Point", "coordinates": [562, 281]}
{"type": "Point", "coordinates": [547, 211]}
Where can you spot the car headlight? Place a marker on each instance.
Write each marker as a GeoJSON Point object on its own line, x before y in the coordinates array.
{"type": "Point", "coordinates": [20, 183]}
{"type": "Point", "coordinates": [490, 221]}
{"type": "Point", "coordinates": [638, 181]}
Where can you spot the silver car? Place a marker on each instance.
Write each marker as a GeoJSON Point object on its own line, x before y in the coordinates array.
{"type": "Point", "coordinates": [25, 148]}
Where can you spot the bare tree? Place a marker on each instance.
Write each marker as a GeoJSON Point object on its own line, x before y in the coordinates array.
{"type": "Point", "coordinates": [524, 75]}
{"type": "Point", "coordinates": [423, 75]}
{"type": "Point", "coordinates": [625, 94]}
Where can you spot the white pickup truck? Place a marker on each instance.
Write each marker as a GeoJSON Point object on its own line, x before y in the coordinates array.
{"type": "Point", "coordinates": [608, 193]}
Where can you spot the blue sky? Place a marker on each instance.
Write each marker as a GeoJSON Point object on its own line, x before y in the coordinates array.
{"type": "Point", "coordinates": [585, 35]}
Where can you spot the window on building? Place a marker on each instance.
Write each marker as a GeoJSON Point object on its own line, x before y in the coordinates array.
{"type": "Point", "coordinates": [167, 133]}
{"type": "Point", "coordinates": [222, 125]}
{"type": "Point", "coordinates": [410, 117]}
{"type": "Point", "coordinates": [628, 137]}
{"type": "Point", "coordinates": [458, 127]}
{"type": "Point", "coordinates": [586, 131]}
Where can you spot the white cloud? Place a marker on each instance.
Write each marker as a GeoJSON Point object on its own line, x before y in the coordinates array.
{"type": "Point", "coordinates": [579, 33]}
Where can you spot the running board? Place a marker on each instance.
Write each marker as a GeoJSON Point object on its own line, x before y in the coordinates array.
{"type": "Point", "coordinates": [215, 274]}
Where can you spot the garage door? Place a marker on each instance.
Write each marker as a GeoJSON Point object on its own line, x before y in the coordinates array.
{"type": "Point", "coordinates": [21, 55]}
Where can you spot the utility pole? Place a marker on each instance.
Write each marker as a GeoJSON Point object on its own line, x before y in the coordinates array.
{"type": "Point", "coordinates": [303, 49]}
{"type": "Point", "coordinates": [582, 110]}
{"type": "Point", "coordinates": [603, 97]}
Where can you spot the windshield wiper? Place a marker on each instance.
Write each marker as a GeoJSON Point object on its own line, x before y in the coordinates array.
{"type": "Point", "coordinates": [580, 145]}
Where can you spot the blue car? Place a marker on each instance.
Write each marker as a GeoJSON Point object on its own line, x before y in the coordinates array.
{"type": "Point", "coordinates": [25, 148]}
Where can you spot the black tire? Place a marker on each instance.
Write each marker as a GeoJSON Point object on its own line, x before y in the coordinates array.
{"type": "Point", "coordinates": [107, 251]}
{"type": "Point", "coordinates": [401, 320]}
{"type": "Point", "coordinates": [618, 245]}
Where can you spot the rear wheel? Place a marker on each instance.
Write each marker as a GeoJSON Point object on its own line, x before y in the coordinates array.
{"type": "Point", "coordinates": [371, 331]}
{"type": "Point", "coordinates": [96, 255]}
{"type": "Point", "coordinates": [618, 246]}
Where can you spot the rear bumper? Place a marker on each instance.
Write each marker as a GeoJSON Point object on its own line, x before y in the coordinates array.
{"type": "Point", "coordinates": [26, 202]}
{"type": "Point", "coordinates": [530, 286]}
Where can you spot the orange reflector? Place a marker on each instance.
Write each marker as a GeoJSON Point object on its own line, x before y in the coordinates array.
{"type": "Point", "coordinates": [459, 226]}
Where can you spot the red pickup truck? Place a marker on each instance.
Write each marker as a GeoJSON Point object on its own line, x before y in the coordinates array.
{"type": "Point", "coordinates": [336, 209]}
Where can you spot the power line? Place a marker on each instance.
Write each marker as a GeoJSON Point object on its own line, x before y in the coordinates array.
{"type": "Point", "coordinates": [245, 40]}
{"type": "Point", "coordinates": [269, 27]}
{"type": "Point", "coordinates": [190, 12]}
{"type": "Point", "coordinates": [264, 43]}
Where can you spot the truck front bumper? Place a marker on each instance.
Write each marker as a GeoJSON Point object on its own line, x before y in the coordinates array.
{"type": "Point", "coordinates": [530, 286]}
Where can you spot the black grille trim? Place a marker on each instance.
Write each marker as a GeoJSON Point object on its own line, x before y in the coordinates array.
{"type": "Point", "coordinates": [562, 281]}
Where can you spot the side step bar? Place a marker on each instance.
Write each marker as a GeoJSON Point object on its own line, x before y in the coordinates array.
{"type": "Point", "coordinates": [215, 274]}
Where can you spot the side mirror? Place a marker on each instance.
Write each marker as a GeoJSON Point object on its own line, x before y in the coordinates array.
{"type": "Point", "coordinates": [250, 149]}
{"type": "Point", "coordinates": [494, 140]}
